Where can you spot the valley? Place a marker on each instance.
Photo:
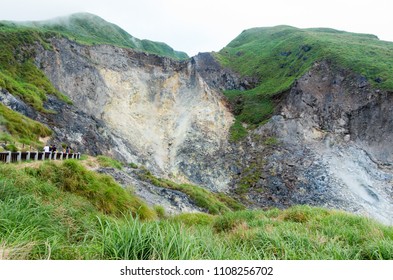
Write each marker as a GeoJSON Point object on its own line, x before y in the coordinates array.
{"type": "Point", "coordinates": [283, 124]}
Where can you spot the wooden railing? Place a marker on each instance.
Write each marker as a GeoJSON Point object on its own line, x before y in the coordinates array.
{"type": "Point", "coordinates": [9, 157]}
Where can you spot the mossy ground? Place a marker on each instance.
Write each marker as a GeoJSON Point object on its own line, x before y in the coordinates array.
{"type": "Point", "coordinates": [105, 161]}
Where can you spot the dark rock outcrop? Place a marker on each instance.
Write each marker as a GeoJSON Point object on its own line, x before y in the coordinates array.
{"type": "Point", "coordinates": [218, 77]}
{"type": "Point", "coordinates": [330, 147]}
{"type": "Point", "coordinates": [174, 202]}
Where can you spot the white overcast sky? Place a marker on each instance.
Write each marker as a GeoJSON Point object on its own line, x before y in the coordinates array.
{"type": "Point", "coordinates": [208, 25]}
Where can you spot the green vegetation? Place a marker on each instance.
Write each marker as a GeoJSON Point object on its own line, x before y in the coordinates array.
{"type": "Point", "coordinates": [237, 131]}
{"type": "Point", "coordinates": [160, 211]}
{"type": "Point", "coordinates": [18, 73]}
{"type": "Point", "coordinates": [133, 165]}
{"type": "Point", "coordinates": [89, 29]}
{"type": "Point", "coordinates": [105, 161]}
{"type": "Point", "coordinates": [21, 77]}
{"type": "Point", "coordinates": [53, 211]}
{"type": "Point", "coordinates": [215, 203]}
{"type": "Point", "coordinates": [249, 179]}
{"type": "Point", "coordinates": [277, 56]}
{"type": "Point", "coordinates": [21, 129]}
{"type": "Point", "coordinates": [271, 141]}
{"type": "Point", "coordinates": [100, 190]}
{"type": "Point", "coordinates": [63, 211]}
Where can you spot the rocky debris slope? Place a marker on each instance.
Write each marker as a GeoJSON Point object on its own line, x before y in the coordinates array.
{"type": "Point", "coordinates": [174, 202]}
{"type": "Point", "coordinates": [327, 145]}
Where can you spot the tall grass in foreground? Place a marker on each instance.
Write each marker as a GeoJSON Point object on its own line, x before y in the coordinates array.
{"type": "Point", "coordinates": [42, 218]}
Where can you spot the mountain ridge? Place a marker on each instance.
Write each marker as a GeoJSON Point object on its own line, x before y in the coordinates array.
{"type": "Point", "coordinates": [277, 56]}
{"type": "Point", "coordinates": [87, 28]}
{"type": "Point", "coordinates": [299, 111]}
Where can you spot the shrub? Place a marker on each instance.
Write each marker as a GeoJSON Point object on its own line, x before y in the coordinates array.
{"type": "Point", "coordinates": [101, 190]}
{"type": "Point", "coordinates": [11, 147]}
{"type": "Point", "coordinates": [160, 210]}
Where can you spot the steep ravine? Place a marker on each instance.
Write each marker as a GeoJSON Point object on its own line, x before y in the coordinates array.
{"type": "Point", "coordinates": [331, 148]}
{"type": "Point", "coordinates": [327, 144]}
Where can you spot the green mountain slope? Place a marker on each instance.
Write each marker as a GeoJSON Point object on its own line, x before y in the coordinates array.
{"type": "Point", "coordinates": [89, 29]}
{"type": "Point", "coordinates": [279, 55]}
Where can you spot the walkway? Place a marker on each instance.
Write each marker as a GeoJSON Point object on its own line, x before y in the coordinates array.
{"type": "Point", "coordinates": [9, 157]}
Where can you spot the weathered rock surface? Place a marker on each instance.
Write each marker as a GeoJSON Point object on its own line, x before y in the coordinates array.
{"type": "Point", "coordinates": [173, 201]}
{"type": "Point", "coordinates": [331, 147]}
{"type": "Point", "coordinates": [157, 112]}
{"type": "Point", "coordinates": [82, 132]}
{"type": "Point", "coordinates": [218, 77]}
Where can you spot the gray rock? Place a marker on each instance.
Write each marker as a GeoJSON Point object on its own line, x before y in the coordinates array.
{"type": "Point", "coordinates": [174, 202]}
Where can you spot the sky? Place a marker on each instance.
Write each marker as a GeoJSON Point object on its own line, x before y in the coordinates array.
{"type": "Point", "coordinates": [209, 25]}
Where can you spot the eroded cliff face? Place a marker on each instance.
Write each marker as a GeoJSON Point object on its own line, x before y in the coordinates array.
{"type": "Point", "coordinates": [331, 147]}
{"type": "Point", "coordinates": [157, 112]}
{"type": "Point", "coordinates": [328, 143]}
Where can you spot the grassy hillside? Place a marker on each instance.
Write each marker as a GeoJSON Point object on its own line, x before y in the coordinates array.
{"type": "Point", "coordinates": [20, 128]}
{"type": "Point", "coordinates": [18, 73]}
{"type": "Point", "coordinates": [63, 211]}
{"type": "Point", "coordinates": [90, 29]}
{"type": "Point", "coordinates": [279, 55]}
{"type": "Point", "coordinates": [20, 76]}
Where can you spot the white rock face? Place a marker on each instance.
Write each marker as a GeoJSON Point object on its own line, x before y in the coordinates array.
{"type": "Point", "coordinates": [157, 113]}
{"type": "Point", "coordinates": [161, 112]}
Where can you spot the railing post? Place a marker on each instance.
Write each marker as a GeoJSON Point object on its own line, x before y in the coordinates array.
{"type": "Point", "coordinates": [61, 156]}
{"type": "Point", "coordinates": [36, 155]}
{"type": "Point", "coordinates": [19, 157]}
{"type": "Point", "coordinates": [79, 155]}
{"type": "Point", "coordinates": [27, 156]}
{"type": "Point", "coordinates": [8, 160]}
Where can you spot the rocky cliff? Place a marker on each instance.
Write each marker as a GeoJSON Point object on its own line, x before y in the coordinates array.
{"type": "Point", "coordinates": [326, 144]}
{"type": "Point", "coordinates": [155, 111]}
